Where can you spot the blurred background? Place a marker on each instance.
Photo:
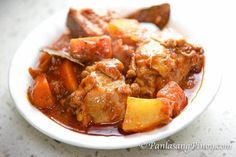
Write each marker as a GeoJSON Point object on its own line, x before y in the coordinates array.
{"type": "Point", "coordinates": [217, 125]}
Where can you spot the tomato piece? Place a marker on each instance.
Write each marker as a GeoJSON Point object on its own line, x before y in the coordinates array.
{"type": "Point", "coordinates": [91, 49]}
{"type": "Point", "coordinates": [175, 93]}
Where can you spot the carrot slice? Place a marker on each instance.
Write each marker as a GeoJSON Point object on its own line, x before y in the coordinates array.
{"type": "Point", "coordinates": [69, 76]}
{"type": "Point", "coordinates": [40, 94]}
{"type": "Point", "coordinates": [34, 72]}
{"type": "Point", "coordinates": [44, 61]}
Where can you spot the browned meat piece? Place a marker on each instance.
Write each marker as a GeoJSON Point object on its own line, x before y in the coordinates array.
{"type": "Point", "coordinates": [195, 53]}
{"type": "Point", "coordinates": [101, 96]}
{"type": "Point", "coordinates": [158, 62]}
{"type": "Point", "coordinates": [85, 23]}
{"type": "Point", "coordinates": [122, 51]}
{"type": "Point", "coordinates": [158, 15]}
{"type": "Point", "coordinates": [111, 67]}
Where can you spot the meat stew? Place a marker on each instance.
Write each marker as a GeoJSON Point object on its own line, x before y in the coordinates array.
{"type": "Point", "coordinates": [108, 75]}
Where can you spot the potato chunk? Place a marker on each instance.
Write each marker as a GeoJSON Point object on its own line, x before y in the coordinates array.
{"type": "Point", "coordinates": [145, 114]}
{"type": "Point", "coordinates": [128, 30]}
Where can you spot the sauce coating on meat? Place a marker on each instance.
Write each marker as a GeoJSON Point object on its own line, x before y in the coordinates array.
{"type": "Point", "coordinates": [94, 77]}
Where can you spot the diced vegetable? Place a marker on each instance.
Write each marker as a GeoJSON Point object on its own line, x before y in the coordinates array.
{"type": "Point", "coordinates": [44, 61]}
{"type": "Point", "coordinates": [68, 75]}
{"type": "Point", "coordinates": [40, 94]}
{"type": "Point", "coordinates": [90, 49]}
{"type": "Point", "coordinates": [126, 29]}
{"type": "Point", "coordinates": [175, 93]}
{"type": "Point", "coordinates": [144, 114]}
{"type": "Point", "coordinates": [34, 72]}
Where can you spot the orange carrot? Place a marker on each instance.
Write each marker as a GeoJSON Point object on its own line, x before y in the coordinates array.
{"type": "Point", "coordinates": [69, 76]}
{"type": "Point", "coordinates": [34, 72]}
{"type": "Point", "coordinates": [40, 94]}
{"type": "Point", "coordinates": [44, 61]}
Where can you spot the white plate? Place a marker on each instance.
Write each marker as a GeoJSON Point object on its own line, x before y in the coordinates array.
{"type": "Point", "coordinates": [27, 56]}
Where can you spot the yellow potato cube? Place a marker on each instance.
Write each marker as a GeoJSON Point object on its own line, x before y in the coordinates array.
{"type": "Point", "coordinates": [126, 29]}
{"type": "Point", "coordinates": [145, 114]}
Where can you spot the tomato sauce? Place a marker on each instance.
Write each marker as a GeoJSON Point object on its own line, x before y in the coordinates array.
{"type": "Point", "coordinates": [67, 118]}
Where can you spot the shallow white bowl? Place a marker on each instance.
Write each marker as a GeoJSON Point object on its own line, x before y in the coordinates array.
{"type": "Point", "coordinates": [27, 56]}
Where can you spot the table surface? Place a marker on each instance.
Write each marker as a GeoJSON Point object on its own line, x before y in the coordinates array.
{"type": "Point", "coordinates": [217, 125]}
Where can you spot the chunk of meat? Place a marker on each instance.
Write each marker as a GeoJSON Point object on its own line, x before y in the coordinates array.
{"type": "Point", "coordinates": [158, 62]}
{"type": "Point", "coordinates": [106, 103]}
{"type": "Point", "coordinates": [101, 96]}
{"type": "Point", "coordinates": [85, 23]}
{"type": "Point", "coordinates": [123, 52]}
{"type": "Point", "coordinates": [169, 64]}
{"type": "Point", "coordinates": [174, 92]}
{"type": "Point", "coordinates": [91, 49]}
{"type": "Point", "coordinates": [182, 48]}
{"type": "Point", "coordinates": [110, 67]}
{"type": "Point", "coordinates": [145, 77]}
{"type": "Point", "coordinates": [158, 15]}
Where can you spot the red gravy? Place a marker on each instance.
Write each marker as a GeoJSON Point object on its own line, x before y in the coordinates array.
{"type": "Point", "coordinates": [68, 119]}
